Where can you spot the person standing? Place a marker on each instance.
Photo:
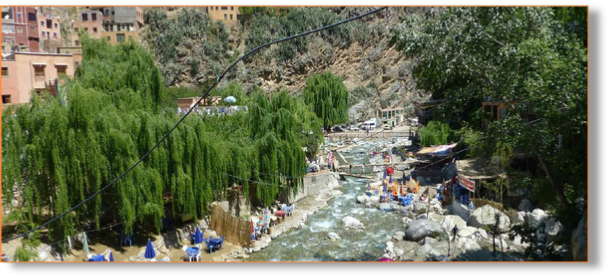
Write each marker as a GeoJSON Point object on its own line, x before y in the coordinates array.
{"type": "Point", "coordinates": [350, 168]}
{"type": "Point", "coordinates": [455, 231]}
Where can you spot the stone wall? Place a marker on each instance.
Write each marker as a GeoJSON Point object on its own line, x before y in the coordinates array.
{"type": "Point", "coordinates": [312, 184]}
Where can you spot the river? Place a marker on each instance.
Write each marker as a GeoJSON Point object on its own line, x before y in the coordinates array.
{"type": "Point", "coordinates": [310, 242]}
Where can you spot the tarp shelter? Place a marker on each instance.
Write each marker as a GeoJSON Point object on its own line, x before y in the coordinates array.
{"type": "Point", "coordinates": [442, 150]}
{"type": "Point", "coordinates": [149, 253]}
{"type": "Point", "coordinates": [477, 169]}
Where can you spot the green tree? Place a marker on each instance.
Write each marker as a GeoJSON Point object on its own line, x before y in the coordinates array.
{"type": "Point", "coordinates": [525, 58]}
{"type": "Point", "coordinates": [329, 98]}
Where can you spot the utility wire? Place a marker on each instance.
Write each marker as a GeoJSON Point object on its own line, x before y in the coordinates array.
{"type": "Point", "coordinates": [218, 79]}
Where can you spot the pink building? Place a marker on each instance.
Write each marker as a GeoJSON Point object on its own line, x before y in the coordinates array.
{"type": "Point", "coordinates": [50, 31]}
{"type": "Point", "coordinates": [27, 72]}
{"type": "Point", "coordinates": [90, 22]}
{"type": "Point", "coordinates": [20, 29]}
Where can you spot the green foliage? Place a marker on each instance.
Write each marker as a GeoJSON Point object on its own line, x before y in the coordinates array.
{"type": "Point", "coordinates": [526, 58]}
{"type": "Point", "coordinates": [435, 133]}
{"type": "Point", "coordinates": [58, 152]}
{"type": "Point", "coordinates": [328, 96]}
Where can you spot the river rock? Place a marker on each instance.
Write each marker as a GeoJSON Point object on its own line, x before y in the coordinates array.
{"type": "Point", "coordinates": [467, 232]}
{"type": "Point", "coordinates": [553, 229]}
{"type": "Point", "coordinates": [421, 228]}
{"type": "Point", "coordinates": [385, 207]}
{"type": "Point", "coordinates": [526, 206]}
{"type": "Point", "coordinates": [351, 222]}
{"type": "Point", "coordinates": [424, 250]}
{"type": "Point", "coordinates": [450, 221]}
{"type": "Point", "coordinates": [517, 218]}
{"type": "Point", "coordinates": [421, 216]}
{"type": "Point", "coordinates": [333, 236]}
{"type": "Point", "coordinates": [536, 217]}
{"type": "Point", "coordinates": [579, 240]}
{"type": "Point", "coordinates": [435, 217]}
{"type": "Point", "coordinates": [363, 199]}
{"type": "Point", "coordinates": [419, 207]}
{"type": "Point", "coordinates": [398, 236]}
{"type": "Point", "coordinates": [468, 244]}
{"type": "Point", "coordinates": [429, 240]}
{"type": "Point", "coordinates": [485, 215]}
{"type": "Point", "coordinates": [481, 234]}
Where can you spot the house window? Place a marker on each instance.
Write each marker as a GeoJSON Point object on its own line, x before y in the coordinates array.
{"type": "Point", "coordinates": [85, 17]}
{"type": "Point", "coordinates": [76, 30]}
{"type": "Point", "coordinates": [217, 8]}
{"type": "Point", "coordinates": [94, 17]}
{"type": "Point", "coordinates": [4, 72]}
{"type": "Point", "coordinates": [42, 33]}
{"type": "Point", "coordinates": [55, 34]}
{"type": "Point", "coordinates": [86, 29]}
{"type": "Point", "coordinates": [76, 43]}
{"type": "Point", "coordinates": [225, 16]}
{"type": "Point", "coordinates": [231, 16]}
{"type": "Point", "coordinates": [39, 72]}
{"type": "Point", "coordinates": [61, 70]}
{"type": "Point", "coordinates": [94, 29]}
{"type": "Point", "coordinates": [42, 23]}
{"type": "Point", "coordinates": [107, 11]}
{"type": "Point", "coordinates": [19, 17]}
{"type": "Point", "coordinates": [6, 99]}
{"type": "Point", "coordinates": [108, 38]}
{"type": "Point", "coordinates": [31, 16]}
{"type": "Point", "coordinates": [120, 37]}
{"type": "Point", "coordinates": [231, 7]}
{"type": "Point", "coordinates": [75, 64]}
{"type": "Point", "coordinates": [49, 23]}
{"type": "Point", "coordinates": [224, 8]}
{"type": "Point", "coordinates": [19, 30]}
{"type": "Point", "coordinates": [56, 26]}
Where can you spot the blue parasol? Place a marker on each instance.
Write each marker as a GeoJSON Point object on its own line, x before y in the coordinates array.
{"type": "Point", "coordinates": [198, 236]}
{"type": "Point", "coordinates": [404, 178]}
{"type": "Point", "coordinates": [150, 251]}
{"type": "Point", "coordinates": [111, 259]}
{"type": "Point", "coordinates": [385, 174]}
{"type": "Point", "coordinates": [391, 180]}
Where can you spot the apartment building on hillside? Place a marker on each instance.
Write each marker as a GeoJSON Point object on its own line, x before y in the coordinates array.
{"type": "Point", "coordinates": [20, 29]}
{"type": "Point", "coordinates": [50, 30]}
{"type": "Point", "coordinates": [90, 22]}
{"type": "Point", "coordinates": [229, 15]}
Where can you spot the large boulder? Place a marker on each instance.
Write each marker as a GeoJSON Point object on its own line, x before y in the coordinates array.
{"type": "Point", "coordinates": [421, 228]}
{"type": "Point", "coordinates": [467, 244]}
{"type": "Point", "coordinates": [579, 241]}
{"type": "Point", "coordinates": [526, 206]}
{"type": "Point", "coordinates": [536, 217]}
{"type": "Point", "coordinates": [467, 232]}
{"type": "Point", "coordinates": [553, 229]}
{"type": "Point", "coordinates": [451, 221]}
{"type": "Point", "coordinates": [486, 215]}
{"type": "Point", "coordinates": [350, 222]}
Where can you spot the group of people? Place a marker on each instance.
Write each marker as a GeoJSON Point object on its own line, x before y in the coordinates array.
{"type": "Point", "coordinates": [351, 166]}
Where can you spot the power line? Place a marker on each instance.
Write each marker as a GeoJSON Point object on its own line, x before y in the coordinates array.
{"type": "Point", "coordinates": [218, 79]}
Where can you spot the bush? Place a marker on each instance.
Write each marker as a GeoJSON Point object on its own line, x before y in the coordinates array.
{"type": "Point", "coordinates": [435, 133]}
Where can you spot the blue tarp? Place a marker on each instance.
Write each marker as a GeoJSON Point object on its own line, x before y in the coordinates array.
{"type": "Point", "coordinates": [230, 99]}
{"type": "Point", "coordinates": [150, 251]}
{"type": "Point", "coordinates": [198, 236]}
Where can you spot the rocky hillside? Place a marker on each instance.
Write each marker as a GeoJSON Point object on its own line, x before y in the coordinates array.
{"type": "Point", "coordinates": [375, 73]}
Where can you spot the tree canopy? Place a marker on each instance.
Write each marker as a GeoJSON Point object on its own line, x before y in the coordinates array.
{"type": "Point", "coordinates": [329, 98]}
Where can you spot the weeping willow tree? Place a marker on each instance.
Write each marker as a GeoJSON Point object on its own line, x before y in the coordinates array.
{"type": "Point", "coordinates": [329, 98]}
{"type": "Point", "coordinates": [58, 151]}
{"type": "Point", "coordinates": [435, 133]}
